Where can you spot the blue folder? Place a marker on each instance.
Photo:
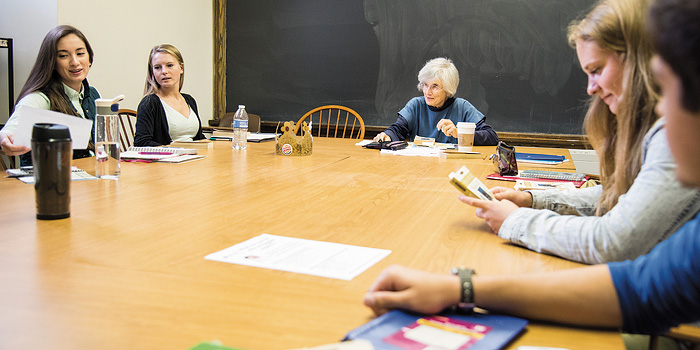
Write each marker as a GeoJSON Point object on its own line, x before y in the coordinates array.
{"type": "Point", "coordinates": [537, 156]}
{"type": "Point", "coordinates": [504, 328]}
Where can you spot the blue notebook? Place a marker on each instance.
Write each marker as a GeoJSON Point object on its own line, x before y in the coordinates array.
{"type": "Point", "coordinates": [400, 330]}
{"type": "Point", "coordinates": [539, 157]}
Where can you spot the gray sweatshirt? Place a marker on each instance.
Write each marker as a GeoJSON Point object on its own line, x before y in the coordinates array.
{"type": "Point", "coordinates": [652, 209]}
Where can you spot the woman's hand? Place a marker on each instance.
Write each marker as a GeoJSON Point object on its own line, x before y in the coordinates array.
{"type": "Point", "coordinates": [493, 212]}
{"type": "Point", "coordinates": [8, 147]}
{"type": "Point", "coordinates": [381, 137]}
{"type": "Point", "coordinates": [520, 198]}
{"type": "Point", "coordinates": [447, 127]}
{"type": "Point", "coordinates": [399, 287]}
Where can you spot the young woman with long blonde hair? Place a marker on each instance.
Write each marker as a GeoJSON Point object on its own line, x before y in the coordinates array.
{"type": "Point", "coordinates": [639, 203]}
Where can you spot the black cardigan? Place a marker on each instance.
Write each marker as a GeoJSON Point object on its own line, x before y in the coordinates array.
{"type": "Point", "coordinates": [152, 124]}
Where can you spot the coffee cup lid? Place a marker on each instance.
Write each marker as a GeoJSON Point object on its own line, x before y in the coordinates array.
{"type": "Point", "coordinates": [47, 132]}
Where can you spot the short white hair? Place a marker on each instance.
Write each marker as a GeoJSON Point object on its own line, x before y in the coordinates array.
{"type": "Point", "coordinates": [440, 69]}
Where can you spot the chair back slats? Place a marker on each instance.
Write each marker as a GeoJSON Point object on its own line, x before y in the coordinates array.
{"type": "Point", "coordinates": [7, 162]}
{"type": "Point", "coordinates": [127, 123]}
{"type": "Point", "coordinates": [337, 123]}
{"type": "Point", "coordinates": [320, 124]}
{"type": "Point", "coordinates": [353, 127]}
{"type": "Point", "coordinates": [345, 125]}
{"type": "Point", "coordinates": [333, 117]}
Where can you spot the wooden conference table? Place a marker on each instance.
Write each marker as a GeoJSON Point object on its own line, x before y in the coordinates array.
{"type": "Point", "coordinates": [127, 269]}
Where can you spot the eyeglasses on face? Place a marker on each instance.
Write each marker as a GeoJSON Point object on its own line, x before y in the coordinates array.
{"type": "Point", "coordinates": [434, 88]}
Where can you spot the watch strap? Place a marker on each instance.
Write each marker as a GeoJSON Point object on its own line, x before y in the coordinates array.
{"type": "Point", "coordinates": [466, 285]}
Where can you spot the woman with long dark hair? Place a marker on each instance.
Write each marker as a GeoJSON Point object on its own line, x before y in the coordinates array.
{"type": "Point", "coordinates": [57, 82]}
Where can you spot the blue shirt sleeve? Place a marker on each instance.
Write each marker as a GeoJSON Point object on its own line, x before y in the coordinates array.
{"type": "Point", "coordinates": [484, 135]}
{"type": "Point", "coordinates": [399, 130]}
{"type": "Point", "coordinates": [660, 290]}
{"type": "Point", "coordinates": [412, 113]}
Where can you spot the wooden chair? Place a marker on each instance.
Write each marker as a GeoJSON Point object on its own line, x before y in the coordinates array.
{"type": "Point", "coordinates": [8, 162]}
{"type": "Point", "coordinates": [336, 119]}
{"type": "Point", "coordinates": [127, 122]}
{"type": "Point", "coordinates": [253, 121]}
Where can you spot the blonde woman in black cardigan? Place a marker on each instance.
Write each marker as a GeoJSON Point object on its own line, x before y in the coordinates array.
{"type": "Point", "coordinates": [165, 114]}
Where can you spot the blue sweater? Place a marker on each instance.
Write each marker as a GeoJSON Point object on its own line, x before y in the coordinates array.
{"type": "Point", "coordinates": [660, 290]}
{"type": "Point", "coordinates": [417, 118]}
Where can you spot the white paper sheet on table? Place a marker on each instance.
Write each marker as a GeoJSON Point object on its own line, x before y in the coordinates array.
{"type": "Point", "coordinates": [80, 128]}
{"type": "Point", "coordinates": [414, 151]}
{"type": "Point", "coordinates": [317, 258]}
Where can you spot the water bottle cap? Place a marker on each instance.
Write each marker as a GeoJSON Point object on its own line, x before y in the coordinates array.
{"type": "Point", "coordinates": [241, 106]}
{"type": "Point", "coordinates": [47, 132]}
{"type": "Point", "coordinates": [111, 104]}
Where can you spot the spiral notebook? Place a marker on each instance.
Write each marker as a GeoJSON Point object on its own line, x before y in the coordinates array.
{"type": "Point", "coordinates": [552, 175]}
{"type": "Point", "coordinates": [562, 178]}
{"type": "Point", "coordinates": [156, 153]}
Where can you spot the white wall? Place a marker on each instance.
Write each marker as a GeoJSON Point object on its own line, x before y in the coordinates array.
{"type": "Point", "coordinates": [121, 34]}
{"type": "Point", "coordinates": [26, 22]}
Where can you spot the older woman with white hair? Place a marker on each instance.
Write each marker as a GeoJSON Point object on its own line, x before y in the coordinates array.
{"type": "Point", "coordinates": [436, 114]}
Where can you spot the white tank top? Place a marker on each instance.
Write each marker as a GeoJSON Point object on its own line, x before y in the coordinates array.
{"type": "Point", "coordinates": [181, 128]}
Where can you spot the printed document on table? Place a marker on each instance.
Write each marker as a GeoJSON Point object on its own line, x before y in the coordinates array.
{"type": "Point", "coordinates": [317, 258]}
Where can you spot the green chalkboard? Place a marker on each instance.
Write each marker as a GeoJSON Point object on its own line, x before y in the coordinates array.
{"type": "Point", "coordinates": [286, 57]}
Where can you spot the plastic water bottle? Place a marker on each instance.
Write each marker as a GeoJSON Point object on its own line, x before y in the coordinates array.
{"type": "Point", "coordinates": [107, 138]}
{"type": "Point", "coordinates": [240, 128]}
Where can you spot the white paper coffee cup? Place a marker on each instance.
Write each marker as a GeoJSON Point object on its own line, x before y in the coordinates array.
{"type": "Point", "coordinates": [465, 136]}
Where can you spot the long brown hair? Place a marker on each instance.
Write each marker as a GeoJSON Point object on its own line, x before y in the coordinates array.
{"type": "Point", "coordinates": [152, 85]}
{"type": "Point", "coordinates": [44, 77]}
{"type": "Point", "coordinates": [619, 25]}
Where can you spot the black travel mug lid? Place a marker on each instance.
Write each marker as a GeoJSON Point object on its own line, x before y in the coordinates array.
{"type": "Point", "coordinates": [47, 132]}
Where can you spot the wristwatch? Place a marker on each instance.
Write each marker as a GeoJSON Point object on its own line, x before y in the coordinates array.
{"type": "Point", "coordinates": [465, 279]}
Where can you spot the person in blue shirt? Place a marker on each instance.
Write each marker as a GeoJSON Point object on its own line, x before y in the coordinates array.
{"type": "Point", "coordinates": [647, 295]}
{"type": "Point", "coordinates": [437, 113]}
